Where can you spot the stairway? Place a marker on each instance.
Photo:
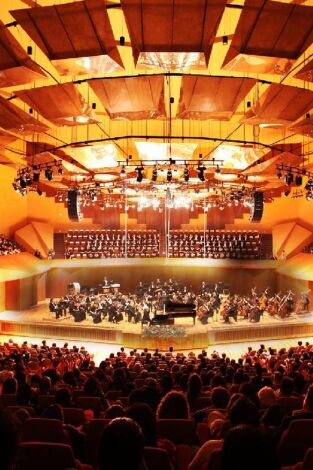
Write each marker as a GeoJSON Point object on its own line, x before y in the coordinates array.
{"type": "Point", "coordinates": [59, 245]}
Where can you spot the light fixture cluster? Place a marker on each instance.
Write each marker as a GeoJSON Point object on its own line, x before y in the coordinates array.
{"type": "Point", "coordinates": [28, 177]}
{"type": "Point", "coordinates": [170, 166]}
{"type": "Point", "coordinates": [294, 176]}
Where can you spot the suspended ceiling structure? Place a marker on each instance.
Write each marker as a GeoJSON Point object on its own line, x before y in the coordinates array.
{"type": "Point", "coordinates": [217, 92]}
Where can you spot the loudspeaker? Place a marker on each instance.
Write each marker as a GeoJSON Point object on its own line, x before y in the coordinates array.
{"type": "Point", "coordinates": [256, 211]}
{"type": "Point", "coordinates": [73, 206]}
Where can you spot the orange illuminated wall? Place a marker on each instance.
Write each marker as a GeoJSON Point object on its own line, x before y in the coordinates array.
{"type": "Point", "coordinates": [13, 206]}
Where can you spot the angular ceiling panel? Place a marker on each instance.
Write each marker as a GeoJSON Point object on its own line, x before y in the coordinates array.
{"type": "Point", "coordinates": [280, 105]}
{"type": "Point", "coordinates": [212, 97]}
{"type": "Point", "coordinates": [16, 67]}
{"type": "Point", "coordinates": [57, 30]}
{"type": "Point", "coordinates": [269, 37]}
{"type": "Point", "coordinates": [303, 127]}
{"type": "Point", "coordinates": [61, 104]}
{"type": "Point", "coordinates": [6, 138]}
{"type": "Point", "coordinates": [306, 73]}
{"type": "Point", "coordinates": [15, 119]}
{"type": "Point", "coordinates": [131, 97]}
{"type": "Point", "coordinates": [159, 34]}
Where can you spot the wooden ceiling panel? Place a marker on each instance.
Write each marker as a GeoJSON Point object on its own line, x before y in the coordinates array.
{"type": "Point", "coordinates": [16, 67]}
{"type": "Point", "coordinates": [131, 97]}
{"type": "Point", "coordinates": [16, 120]}
{"type": "Point", "coordinates": [280, 105]}
{"type": "Point", "coordinates": [57, 30]}
{"type": "Point", "coordinates": [160, 38]}
{"type": "Point", "coordinates": [212, 97]}
{"type": "Point", "coordinates": [60, 104]}
{"type": "Point", "coordinates": [269, 37]}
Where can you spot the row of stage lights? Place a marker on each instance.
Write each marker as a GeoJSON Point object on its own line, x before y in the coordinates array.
{"type": "Point", "coordinates": [294, 176]}
{"type": "Point", "coordinates": [169, 174]}
{"type": "Point", "coordinates": [30, 175]}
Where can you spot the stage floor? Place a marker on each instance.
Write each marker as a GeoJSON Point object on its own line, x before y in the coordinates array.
{"type": "Point", "coordinates": [39, 322]}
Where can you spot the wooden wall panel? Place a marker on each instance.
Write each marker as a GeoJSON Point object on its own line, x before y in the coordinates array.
{"type": "Point", "coordinates": [12, 295]}
{"type": "Point", "coordinates": [241, 280]}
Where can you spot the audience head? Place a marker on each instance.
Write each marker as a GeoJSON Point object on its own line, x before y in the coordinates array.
{"type": "Point", "coordinates": [114, 411]}
{"type": "Point", "coordinates": [92, 387]}
{"type": "Point", "coordinates": [243, 411]}
{"type": "Point", "coordinates": [220, 397]}
{"type": "Point", "coordinates": [53, 412]}
{"type": "Point", "coordinates": [63, 397]}
{"type": "Point", "coordinates": [45, 385]}
{"type": "Point", "coordinates": [173, 406]}
{"type": "Point", "coordinates": [145, 417]}
{"type": "Point", "coordinates": [9, 386]}
{"type": "Point", "coordinates": [245, 448]}
{"type": "Point", "coordinates": [121, 445]}
{"type": "Point", "coordinates": [308, 399]}
{"type": "Point", "coordinates": [267, 397]}
{"type": "Point", "coordinates": [194, 386]}
{"type": "Point", "coordinates": [286, 386]}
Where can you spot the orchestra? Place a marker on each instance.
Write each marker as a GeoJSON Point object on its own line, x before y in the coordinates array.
{"type": "Point", "coordinates": [213, 303]}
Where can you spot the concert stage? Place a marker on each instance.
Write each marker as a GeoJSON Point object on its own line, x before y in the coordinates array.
{"type": "Point", "coordinates": [38, 322]}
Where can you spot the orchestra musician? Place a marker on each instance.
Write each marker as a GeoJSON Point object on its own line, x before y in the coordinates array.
{"type": "Point", "coordinates": [149, 298]}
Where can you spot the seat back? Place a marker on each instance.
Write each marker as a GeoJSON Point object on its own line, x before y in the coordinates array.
{"type": "Point", "coordinates": [74, 416]}
{"type": "Point", "coordinates": [179, 431]}
{"type": "Point", "coordinates": [7, 400]}
{"type": "Point", "coordinates": [295, 441]}
{"type": "Point", "coordinates": [94, 430]}
{"type": "Point", "coordinates": [14, 409]}
{"type": "Point", "coordinates": [90, 403]}
{"type": "Point", "coordinates": [44, 401]}
{"type": "Point", "coordinates": [43, 430]}
{"type": "Point", "coordinates": [47, 455]}
{"type": "Point", "coordinates": [290, 404]}
{"type": "Point", "coordinates": [308, 460]}
{"type": "Point", "coordinates": [157, 459]}
{"type": "Point", "coordinates": [215, 461]}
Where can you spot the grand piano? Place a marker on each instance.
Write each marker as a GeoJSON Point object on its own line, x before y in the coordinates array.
{"type": "Point", "coordinates": [174, 310]}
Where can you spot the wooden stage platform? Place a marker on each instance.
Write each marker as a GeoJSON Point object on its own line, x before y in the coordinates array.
{"type": "Point", "coordinates": [38, 322]}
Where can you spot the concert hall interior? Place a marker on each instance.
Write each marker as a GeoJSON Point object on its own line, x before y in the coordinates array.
{"type": "Point", "coordinates": [156, 173]}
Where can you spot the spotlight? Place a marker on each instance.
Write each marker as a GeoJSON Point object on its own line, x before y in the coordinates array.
{"type": "Point", "coordinates": [298, 180]}
{"type": "Point", "coordinates": [123, 172]}
{"type": "Point", "coordinates": [169, 175]}
{"type": "Point", "coordinates": [28, 179]}
{"type": "Point", "coordinates": [217, 170]}
{"type": "Point", "coordinates": [49, 174]}
{"type": "Point", "coordinates": [201, 173]}
{"type": "Point", "coordinates": [139, 174]}
{"type": "Point", "coordinates": [36, 177]}
{"type": "Point", "coordinates": [186, 174]}
{"type": "Point", "coordinates": [289, 178]}
{"type": "Point", "coordinates": [23, 182]}
{"type": "Point", "coordinates": [225, 40]}
{"type": "Point", "coordinates": [154, 174]}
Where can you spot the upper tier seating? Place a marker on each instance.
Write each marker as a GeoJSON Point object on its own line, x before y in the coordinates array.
{"type": "Point", "coordinates": [111, 244]}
